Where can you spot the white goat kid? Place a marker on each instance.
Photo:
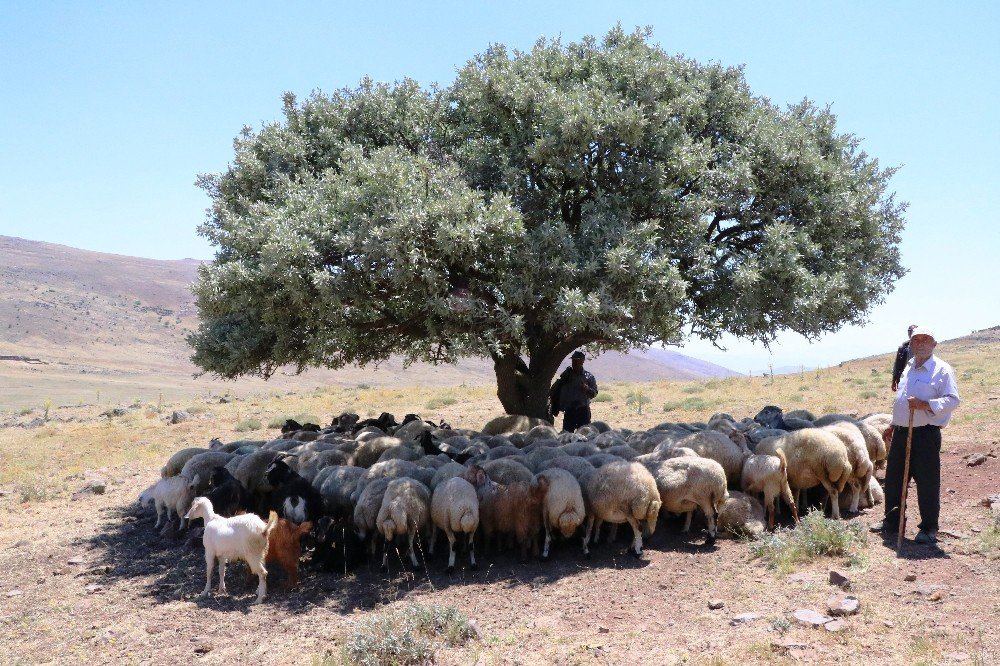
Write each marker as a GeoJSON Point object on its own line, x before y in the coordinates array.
{"type": "Point", "coordinates": [242, 537]}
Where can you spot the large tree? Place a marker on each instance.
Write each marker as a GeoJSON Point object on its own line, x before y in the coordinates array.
{"type": "Point", "coordinates": [600, 194]}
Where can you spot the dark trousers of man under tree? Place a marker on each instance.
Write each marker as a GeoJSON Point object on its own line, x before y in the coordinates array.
{"type": "Point", "coordinates": [925, 469]}
{"type": "Point", "coordinates": [575, 417]}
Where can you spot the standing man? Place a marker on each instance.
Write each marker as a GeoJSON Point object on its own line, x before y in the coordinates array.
{"type": "Point", "coordinates": [928, 388]}
{"type": "Point", "coordinates": [572, 394]}
{"type": "Point", "coordinates": [903, 354]}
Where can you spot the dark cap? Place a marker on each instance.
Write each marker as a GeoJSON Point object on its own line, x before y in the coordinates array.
{"type": "Point", "coordinates": [578, 355]}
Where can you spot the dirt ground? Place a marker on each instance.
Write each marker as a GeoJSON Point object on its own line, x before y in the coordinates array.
{"type": "Point", "coordinates": [88, 580]}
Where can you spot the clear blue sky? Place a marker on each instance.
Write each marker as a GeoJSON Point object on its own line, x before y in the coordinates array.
{"type": "Point", "coordinates": [111, 109]}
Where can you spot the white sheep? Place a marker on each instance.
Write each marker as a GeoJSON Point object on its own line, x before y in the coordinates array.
{"type": "Point", "coordinates": [367, 507]}
{"type": "Point", "coordinates": [406, 508]}
{"type": "Point", "coordinates": [198, 469]}
{"type": "Point", "coordinates": [242, 537]}
{"type": "Point", "coordinates": [176, 462]}
{"type": "Point", "coordinates": [857, 454]}
{"type": "Point", "coordinates": [687, 483]}
{"type": "Point", "coordinates": [722, 449]}
{"type": "Point", "coordinates": [620, 492]}
{"type": "Point", "coordinates": [455, 510]}
{"type": "Point", "coordinates": [741, 515]}
{"type": "Point", "coordinates": [563, 507]}
{"type": "Point", "coordinates": [513, 423]}
{"type": "Point", "coordinates": [768, 475]}
{"type": "Point", "coordinates": [173, 492]}
{"type": "Point", "coordinates": [506, 471]}
{"type": "Point", "coordinates": [814, 457]}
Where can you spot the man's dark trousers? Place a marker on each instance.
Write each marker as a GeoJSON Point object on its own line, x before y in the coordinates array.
{"type": "Point", "coordinates": [575, 417]}
{"type": "Point", "coordinates": [925, 469]}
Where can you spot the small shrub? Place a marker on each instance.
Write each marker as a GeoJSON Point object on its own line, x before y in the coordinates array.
{"type": "Point", "coordinates": [408, 635]}
{"type": "Point", "coordinates": [48, 406]}
{"type": "Point", "coordinates": [25, 411]}
{"type": "Point", "coordinates": [603, 397]}
{"type": "Point", "coordinates": [694, 403]}
{"type": "Point", "coordinates": [865, 395]}
{"type": "Point", "coordinates": [196, 409]}
{"type": "Point", "coordinates": [276, 422]}
{"type": "Point", "coordinates": [363, 387]}
{"type": "Point", "coordinates": [671, 406]}
{"type": "Point", "coordinates": [247, 425]}
{"type": "Point", "coordinates": [804, 387]}
{"type": "Point", "coordinates": [637, 399]}
{"type": "Point", "coordinates": [440, 401]}
{"type": "Point", "coordinates": [694, 388]}
{"type": "Point", "coordinates": [815, 536]}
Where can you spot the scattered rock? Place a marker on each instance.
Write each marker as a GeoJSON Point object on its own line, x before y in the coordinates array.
{"type": "Point", "coordinates": [956, 656]}
{"type": "Point", "coordinates": [20, 544]}
{"type": "Point", "coordinates": [810, 618]}
{"type": "Point", "coordinates": [75, 560]}
{"type": "Point", "coordinates": [603, 630]}
{"type": "Point", "coordinates": [204, 648]}
{"type": "Point", "coordinates": [842, 604]}
{"type": "Point", "coordinates": [179, 416]}
{"type": "Point", "coordinates": [989, 501]}
{"type": "Point", "coordinates": [153, 629]}
{"type": "Point", "coordinates": [840, 580]}
{"type": "Point", "coordinates": [716, 604]}
{"type": "Point", "coordinates": [936, 595]}
{"type": "Point", "coordinates": [974, 459]}
{"type": "Point", "coordinates": [800, 577]}
{"type": "Point", "coordinates": [93, 588]}
{"type": "Point", "coordinates": [14, 593]}
{"type": "Point", "coordinates": [743, 618]}
{"type": "Point", "coordinates": [836, 625]}
{"type": "Point", "coordinates": [97, 486]}
{"type": "Point", "coordinates": [910, 577]}
{"type": "Point", "coordinates": [117, 411]}
{"type": "Point", "coordinates": [953, 534]}
{"type": "Point", "coordinates": [926, 589]}
{"type": "Point", "coordinates": [889, 623]}
{"type": "Point", "coordinates": [37, 422]}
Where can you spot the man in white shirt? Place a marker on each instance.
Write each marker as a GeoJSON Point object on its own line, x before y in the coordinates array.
{"type": "Point", "coordinates": [928, 388]}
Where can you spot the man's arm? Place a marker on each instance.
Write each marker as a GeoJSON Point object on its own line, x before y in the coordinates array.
{"type": "Point", "coordinates": [949, 399]}
{"type": "Point", "coordinates": [899, 365]}
{"type": "Point", "coordinates": [590, 385]}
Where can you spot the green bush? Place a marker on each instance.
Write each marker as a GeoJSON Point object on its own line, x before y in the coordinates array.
{"type": "Point", "coordinates": [248, 424]}
{"type": "Point", "coordinates": [637, 399]}
{"type": "Point", "coordinates": [437, 402]}
{"type": "Point", "coordinates": [694, 388]}
{"type": "Point", "coordinates": [671, 406]}
{"type": "Point", "coordinates": [407, 635]}
{"type": "Point", "coordinates": [868, 394]}
{"type": "Point", "coordinates": [603, 397]}
{"type": "Point", "coordinates": [694, 403]}
{"type": "Point", "coordinates": [815, 536]}
{"type": "Point", "coordinates": [196, 409]}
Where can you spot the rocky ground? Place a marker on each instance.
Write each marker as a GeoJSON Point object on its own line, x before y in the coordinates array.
{"type": "Point", "coordinates": [87, 579]}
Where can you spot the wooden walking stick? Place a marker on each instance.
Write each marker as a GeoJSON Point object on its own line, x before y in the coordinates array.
{"type": "Point", "coordinates": [906, 483]}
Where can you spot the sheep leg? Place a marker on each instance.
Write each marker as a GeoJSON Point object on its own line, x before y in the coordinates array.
{"type": "Point", "coordinates": [586, 535]}
{"type": "Point", "coordinates": [209, 564]}
{"type": "Point", "coordinates": [385, 556]}
{"type": "Point", "coordinates": [834, 499]}
{"type": "Point", "coordinates": [222, 576]}
{"type": "Point", "coordinates": [786, 494]}
{"type": "Point", "coordinates": [855, 496]}
{"type": "Point", "coordinates": [258, 568]}
{"type": "Point", "coordinates": [431, 541]}
{"type": "Point", "coordinates": [636, 536]}
{"type": "Point", "coordinates": [710, 514]}
{"type": "Point", "coordinates": [451, 549]}
{"type": "Point", "coordinates": [472, 552]}
{"type": "Point", "coordinates": [613, 534]}
{"type": "Point", "coordinates": [413, 552]}
{"type": "Point", "coordinates": [687, 521]}
{"type": "Point", "coordinates": [158, 506]}
{"type": "Point", "coordinates": [598, 524]}
{"type": "Point", "coordinates": [548, 541]}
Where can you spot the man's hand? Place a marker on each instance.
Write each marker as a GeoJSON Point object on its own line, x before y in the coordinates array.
{"type": "Point", "coordinates": [916, 404]}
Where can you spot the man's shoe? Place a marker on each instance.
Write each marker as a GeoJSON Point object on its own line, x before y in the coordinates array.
{"type": "Point", "coordinates": [884, 526]}
{"type": "Point", "coordinates": [928, 536]}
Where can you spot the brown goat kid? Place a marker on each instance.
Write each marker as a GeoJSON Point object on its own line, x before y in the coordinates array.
{"type": "Point", "coordinates": [284, 547]}
{"type": "Point", "coordinates": [514, 509]}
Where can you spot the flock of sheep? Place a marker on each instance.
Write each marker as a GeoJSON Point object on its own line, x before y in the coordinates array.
{"type": "Point", "coordinates": [353, 484]}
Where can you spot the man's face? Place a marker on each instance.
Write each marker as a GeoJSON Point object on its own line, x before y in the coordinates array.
{"type": "Point", "coordinates": [577, 363]}
{"type": "Point", "coordinates": [922, 345]}
{"type": "Point", "coordinates": [909, 331]}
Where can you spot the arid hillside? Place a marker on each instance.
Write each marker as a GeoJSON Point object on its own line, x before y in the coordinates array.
{"type": "Point", "coordinates": [115, 325]}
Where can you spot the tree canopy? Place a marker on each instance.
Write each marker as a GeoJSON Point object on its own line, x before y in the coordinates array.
{"type": "Point", "coordinates": [602, 194]}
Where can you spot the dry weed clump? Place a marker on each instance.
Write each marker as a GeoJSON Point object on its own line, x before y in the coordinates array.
{"type": "Point", "coordinates": [815, 536]}
{"type": "Point", "coordinates": [407, 635]}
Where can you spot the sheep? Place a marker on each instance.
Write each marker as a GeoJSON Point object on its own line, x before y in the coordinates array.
{"type": "Point", "coordinates": [857, 454]}
{"type": "Point", "coordinates": [401, 452]}
{"type": "Point", "coordinates": [240, 537]}
{"type": "Point", "coordinates": [176, 462]}
{"type": "Point", "coordinates": [601, 459]}
{"type": "Point", "coordinates": [337, 488]}
{"type": "Point", "coordinates": [514, 508]}
{"type": "Point", "coordinates": [876, 442]}
{"type": "Point", "coordinates": [445, 472]}
{"type": "Point", "coordinates": [511, 423]}
{"type": "Point", "coordinates": [228, 496]}
{"type": "Point", "coordinates": [803, 414]}
{"type": "Point", "coordinates": [173, 492]}
{"type": "Point", "coordinates": [338, 547]}
{"type": "Point", "coordinates": [541, 432]}
{"type": "Point", "coordinates": [769, 475]}
{"type": "Point", "coordinates": [772, 417]}
{"type": "Point", "coordinates": [250, 471]}
{"type": "Point", "coordinates": [741, 515]}
{"type": "Point", "coordinates": [581, 449]}
{"type": "Point", "coordinates": [872, 497]}
{"type": "Point", "coordinates": [503, 452]}
{"type": "Point", "coordinates": [623, 451]}
{"type": "Point", "coordinates": [370, 451]}
{"type": "Point", "coordinates": [507, 470]}
{"type": "Point", "coordinates": [393, 469]}
{"type": "Point", "coordinates": [284, 547]}
{"type": "Point", "coordinates": [367, 507]}
{"type": "Point", "coordinates": [311, 466]}
{"type": "Point", "coordinates": [455, 509]}
{"type": "Point", "coordinates": [687, 483]}
{"type": "Point", "coordinates": [201, 466]}
{"type": "Point", "coordinates": [720, 448]}
{"type": "Point", "coordinates": [814, 457]}
{"type": "Point", "coordinates": [293, 497]}
{"type": "Point", "coordinates": [563, 507]}
{"type": "Point", "coordinates": [832, 418]}
{"type": "Point", "coordinates": [578, 467]}
{"type": "Point", "coordinates": [541, 455]}
{"type": "Point", "coordinates": [405, 509]}
{"type": "Point", "coordinates": [621, 492]}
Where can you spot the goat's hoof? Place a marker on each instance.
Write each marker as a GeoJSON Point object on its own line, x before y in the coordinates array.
{"type": "Point", "coordinates": [710, 540]}
{"type": "Point", "coordinates": [637, 554]}
{"type": "Point", "coordinates": [203, 595]}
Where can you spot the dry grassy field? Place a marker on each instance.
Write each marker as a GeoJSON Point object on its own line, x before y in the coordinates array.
{"type": "Point", "coordinates": [85, 578]}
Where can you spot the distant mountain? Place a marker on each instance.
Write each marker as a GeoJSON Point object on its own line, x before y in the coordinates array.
{"type": "Point", "coordinates": [124, 319]}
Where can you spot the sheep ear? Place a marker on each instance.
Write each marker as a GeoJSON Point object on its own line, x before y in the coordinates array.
{"type": "Point", "coordinates": [480, 477]}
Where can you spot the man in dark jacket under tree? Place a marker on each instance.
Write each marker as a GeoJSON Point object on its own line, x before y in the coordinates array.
{"type": "Point", "coordinates": [572, 394]}
{"type": "Point", "coordinates": [903, 354]}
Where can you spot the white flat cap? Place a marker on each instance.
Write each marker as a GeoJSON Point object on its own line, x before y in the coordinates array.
{"type": "Point", "coordinates": [923, 330]}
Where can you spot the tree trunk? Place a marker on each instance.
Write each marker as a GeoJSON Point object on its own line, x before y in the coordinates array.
{"type": "Point", "coordinates": [524, 389]}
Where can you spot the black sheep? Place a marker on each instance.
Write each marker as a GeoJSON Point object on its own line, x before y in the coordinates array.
{"type": "Point", "coordinates": [338, 547]}
{"type": "Point", "coordinates": [228, 496]}
{"type": "Point", "coordinates": [293, 497]}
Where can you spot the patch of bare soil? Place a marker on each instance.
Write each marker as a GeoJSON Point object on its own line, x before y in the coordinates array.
{"type": "Point", "coordinates": [90, 581]}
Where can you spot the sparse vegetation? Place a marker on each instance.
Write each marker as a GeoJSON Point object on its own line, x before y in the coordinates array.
{"type": "Point", "coordinates": [636, 399]}
{"type": "Point", "coordinates": [407, 635]}
{"type": "Point", "coordinates": [815, 536]}
{"type": "Point", "coordinates": [247, 425]}
{"type": "Point", "coordinates": [440, 401]}
{"type": "Point", "coordinates": [603, 397]}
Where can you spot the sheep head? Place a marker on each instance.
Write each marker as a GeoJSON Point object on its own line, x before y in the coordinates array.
{"type": "Point", "coordinates": [200, 508]}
